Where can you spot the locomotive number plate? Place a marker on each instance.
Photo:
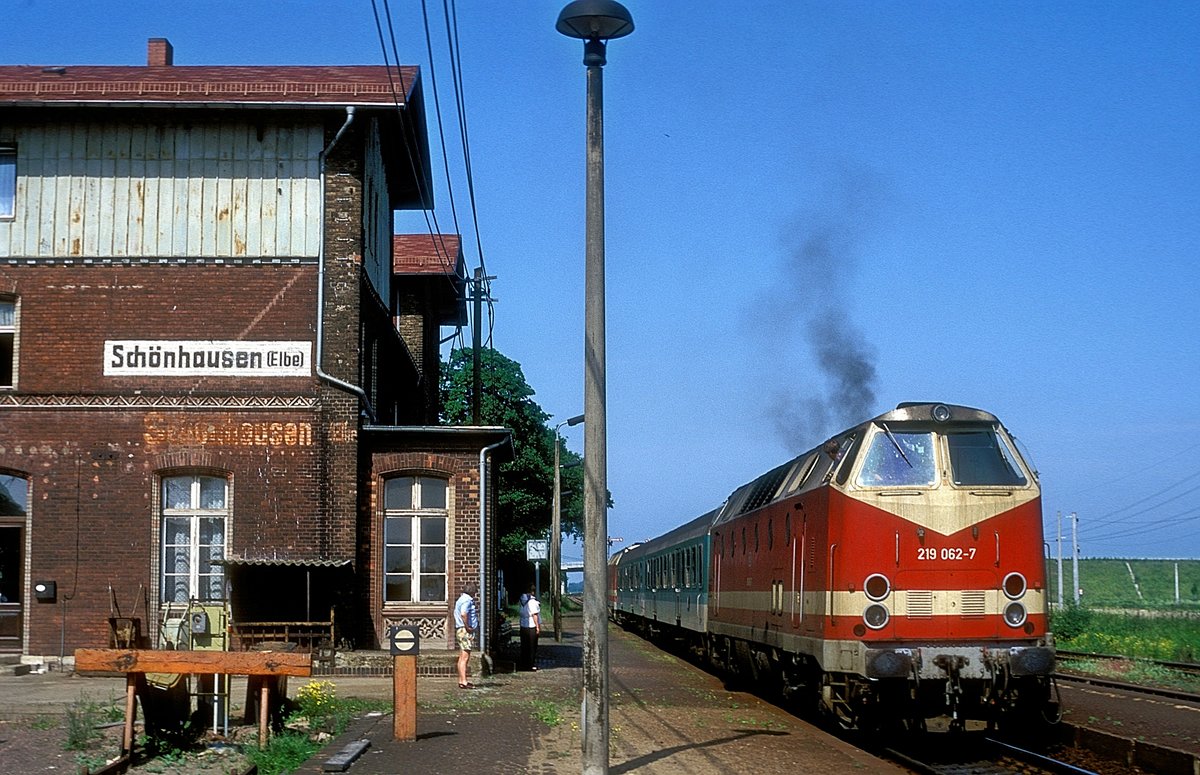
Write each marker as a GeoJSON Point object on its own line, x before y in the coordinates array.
{"type": "Point", "coordinates": [929, 553]}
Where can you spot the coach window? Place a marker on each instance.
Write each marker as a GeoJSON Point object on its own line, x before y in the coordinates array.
{"type": "Point", "coordinates": [8, 181]}
{"type": "Point", "coordinates": [195, 528]}
{"type": "Point", "coordinates": [8, 342]}
{"type": "Point", "coordinates": [414, 539]}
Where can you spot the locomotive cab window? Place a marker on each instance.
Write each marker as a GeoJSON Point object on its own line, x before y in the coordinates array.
{"type": "Point", "coordinates": [981, 458]}
{"type": "Point", "coordinates": [899, 459]}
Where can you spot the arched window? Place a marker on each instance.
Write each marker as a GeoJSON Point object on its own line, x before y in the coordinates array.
{"type": "Point", "coordinates": [195, 512]}
{"type": "Point", "coordinates": [414, 538]}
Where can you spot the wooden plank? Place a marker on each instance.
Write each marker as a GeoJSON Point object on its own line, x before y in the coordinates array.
{"type": "Point", "coordinates": [264, 701]}
{"type": "Point", "coordinates": [45, 236]}
{"type": "Point", "coordinates": [191, 662]}
{"type": "Point", "coordinates": [131, 680]}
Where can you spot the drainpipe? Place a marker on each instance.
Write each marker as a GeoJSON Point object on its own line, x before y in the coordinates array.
{"type": "Point", "coordinates": [483, 453]}
{"type": "Point", "coordinates": [329, 378]}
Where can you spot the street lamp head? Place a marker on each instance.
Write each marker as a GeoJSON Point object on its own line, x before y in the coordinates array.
{"type": "Point", "coordinates": [594, 20]}
{"type": "Point", "coordinates": [575, 420]}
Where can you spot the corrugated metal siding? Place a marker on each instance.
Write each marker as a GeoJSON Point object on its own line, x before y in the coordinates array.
{"type": "Point", "coordinates": [210, 190]}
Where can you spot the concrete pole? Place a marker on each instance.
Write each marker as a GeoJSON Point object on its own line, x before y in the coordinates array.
{"type": "Point", "coordinates": [1060, 576]}
{"type": "Point", "coordinates": [595, 443]}
{"type": "Point", "coordinates": [1075, 553]}
{"type": "Point", "coordinates": [556, 545]}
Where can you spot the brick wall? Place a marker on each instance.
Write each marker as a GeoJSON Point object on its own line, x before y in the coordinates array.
{"type": "Point", "coordinates": [67, 311]}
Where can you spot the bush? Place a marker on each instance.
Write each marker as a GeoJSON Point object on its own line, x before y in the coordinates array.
{"type": "Point", "coordinates": [1069, 622]}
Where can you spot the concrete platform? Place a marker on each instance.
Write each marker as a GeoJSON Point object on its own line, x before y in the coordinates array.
{"type": "Point", "coordinates": [666, 718]}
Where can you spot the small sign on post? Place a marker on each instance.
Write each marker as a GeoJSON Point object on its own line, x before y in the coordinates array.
{"type": "Point", "coordinates": [404, 642]}
{"type": "Point", "coordinates": [537, 550]}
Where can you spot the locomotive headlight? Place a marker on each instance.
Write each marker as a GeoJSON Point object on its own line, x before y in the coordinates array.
{"type": "Point", "coordinates": [1014, 586]}
{"type": "Point", "coordinates": [876, 616]}
{"type": "Point", "coordinates": [1014, 614]}
{"type": "Point", "coordinates": [877, 586]}
{"type": "Point", "coordinates": [941, 413]}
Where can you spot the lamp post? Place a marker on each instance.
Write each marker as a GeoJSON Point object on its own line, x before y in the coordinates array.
{"type": "Point", "coordinates": [594, 22]}
{"type": "Point", "coordinates": [556, 533]}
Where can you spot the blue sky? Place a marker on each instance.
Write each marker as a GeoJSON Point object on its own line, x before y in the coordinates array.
{"type": "Point", "coordinates": [993, 204]}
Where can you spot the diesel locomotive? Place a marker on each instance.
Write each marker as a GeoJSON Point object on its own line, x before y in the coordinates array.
{"type": "Point", "coordinates": [891, 575]}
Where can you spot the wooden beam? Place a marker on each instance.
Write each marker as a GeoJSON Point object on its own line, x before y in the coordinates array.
{"type": "Point", "coordinates": [191, 662]}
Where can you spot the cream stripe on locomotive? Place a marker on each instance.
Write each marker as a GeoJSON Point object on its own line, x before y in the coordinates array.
{"type": "Point", "coordinates": [913, 603]}
{"type": "Point", "coordinates": [945, 510]}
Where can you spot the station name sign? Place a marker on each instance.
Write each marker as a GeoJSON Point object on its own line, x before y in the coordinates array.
{"type": "Point", "coordinates": [206, 358]}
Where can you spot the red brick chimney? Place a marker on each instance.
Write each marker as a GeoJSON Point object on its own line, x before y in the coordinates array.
{"type": "Point", "coordinates": [160, 53]}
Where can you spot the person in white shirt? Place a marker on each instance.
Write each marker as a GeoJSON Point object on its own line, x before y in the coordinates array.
{"type": "Point", "coordinates": [531, 628]}
{"type": "Point", "coordinates": [466, 622]}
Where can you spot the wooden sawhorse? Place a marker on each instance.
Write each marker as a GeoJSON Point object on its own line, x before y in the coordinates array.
{"type": "Point", "coordinates": [135, 662]}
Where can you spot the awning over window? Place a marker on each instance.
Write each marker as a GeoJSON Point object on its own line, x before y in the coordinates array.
{"type": "Point", "coordinates": [285, 562]}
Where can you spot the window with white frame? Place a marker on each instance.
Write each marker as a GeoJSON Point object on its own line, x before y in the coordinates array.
{"type": "Point", "coordinates": [414, 540]}
{"type": "Point", "coordinates": [8, 181]}
{"type": "Point", "coordinates": [195, 522]}
{"type": "Point", "coordinates": [8, 342]}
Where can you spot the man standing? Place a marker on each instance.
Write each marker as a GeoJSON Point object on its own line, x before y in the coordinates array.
{"type": "Point", "coordinates": [531, 628]}
{"type": "Point", "coordinates": [466, 622]}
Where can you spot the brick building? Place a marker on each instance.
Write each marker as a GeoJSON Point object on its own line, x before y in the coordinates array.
{"type": "Point", "coordinates": [218, 366]}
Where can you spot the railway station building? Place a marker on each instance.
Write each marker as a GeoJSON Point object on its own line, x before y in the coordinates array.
{"type": "Point", "coordinates": [219, 366]}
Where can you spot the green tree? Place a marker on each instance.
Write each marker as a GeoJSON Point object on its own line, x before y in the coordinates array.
{"type": "Point", "coordinates": [526, 484]}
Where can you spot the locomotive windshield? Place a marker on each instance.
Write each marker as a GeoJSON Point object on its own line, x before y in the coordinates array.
{"type": "Point", "coordinates": [901, 458]}
{"type": "Point", "coordinates": [982, 458]}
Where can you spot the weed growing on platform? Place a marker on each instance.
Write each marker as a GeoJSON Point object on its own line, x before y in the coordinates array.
{"type": "Point", "coordinates": [82, 717]}
{"type": "Point", "coordinates": [547, 712]}
{"type": "Point", "coordinates": [283, 753]}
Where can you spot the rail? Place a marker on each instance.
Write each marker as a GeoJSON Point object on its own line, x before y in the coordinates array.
{"type": "Point", "coordinates": [992, 758]}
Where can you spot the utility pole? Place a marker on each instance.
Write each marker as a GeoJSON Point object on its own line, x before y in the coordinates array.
{"type": "Point", "coordinates": [1075, 553]}
{"type": "Point", "coordinates": [1060, 576]}
{"type": "Point", "coordinates": [477, 296]}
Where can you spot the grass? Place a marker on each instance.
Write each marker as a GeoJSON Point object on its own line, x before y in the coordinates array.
{"type": "Point", "coordinates": [83, 716]}
{"type": "Point", "coordinates": [1131, 634]}
{"type": "Point", "coordinates": [1135, 671]}
{"type": "Point", "coordinates": [1110, 583]}
{"type": "Point", "coordinates": [283, 753]}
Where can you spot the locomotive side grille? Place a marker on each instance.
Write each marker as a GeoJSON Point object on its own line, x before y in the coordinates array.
{"type": "Point", "coordinates": [974, 602]}
{"type": "Point", "coordinates": [920, 604]}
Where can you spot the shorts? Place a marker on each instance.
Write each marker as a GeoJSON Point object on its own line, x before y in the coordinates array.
{"type": "Point", "coordinates": [462, 636]}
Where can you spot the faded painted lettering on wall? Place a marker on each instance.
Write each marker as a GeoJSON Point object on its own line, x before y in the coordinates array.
{"type": "Point", "coordinates": [160, 430]}
{"type": "Point", "coordinates": [149, 358]}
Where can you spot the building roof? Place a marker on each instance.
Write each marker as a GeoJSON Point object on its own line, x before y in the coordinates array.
{"type": "Point", "coordinates": [437, 261]}
{"type": "Point", "coordinates": [366, 85]}
{"type": "Point", "coordinates": [164, 86]}
{"type": "Point", "coordinates": [427, 254]}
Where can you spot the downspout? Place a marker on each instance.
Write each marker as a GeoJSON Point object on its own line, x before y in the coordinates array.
{"type": "Point", "coordinates": [483, 496]}
{"type": "Point", "coordinates": [329, 378]}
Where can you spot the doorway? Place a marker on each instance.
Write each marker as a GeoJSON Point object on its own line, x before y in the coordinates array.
{"type": "Point", "coordinates": [12, 588]}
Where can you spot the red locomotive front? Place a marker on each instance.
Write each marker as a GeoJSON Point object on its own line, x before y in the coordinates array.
{"type": "Point", "coordinates": [901, 568]}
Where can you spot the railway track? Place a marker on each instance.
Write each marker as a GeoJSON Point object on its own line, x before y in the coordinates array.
{"type": "Point", "coordinates": [980, 756]}
{"type": "Point", "coordinates": [1186, 668]}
